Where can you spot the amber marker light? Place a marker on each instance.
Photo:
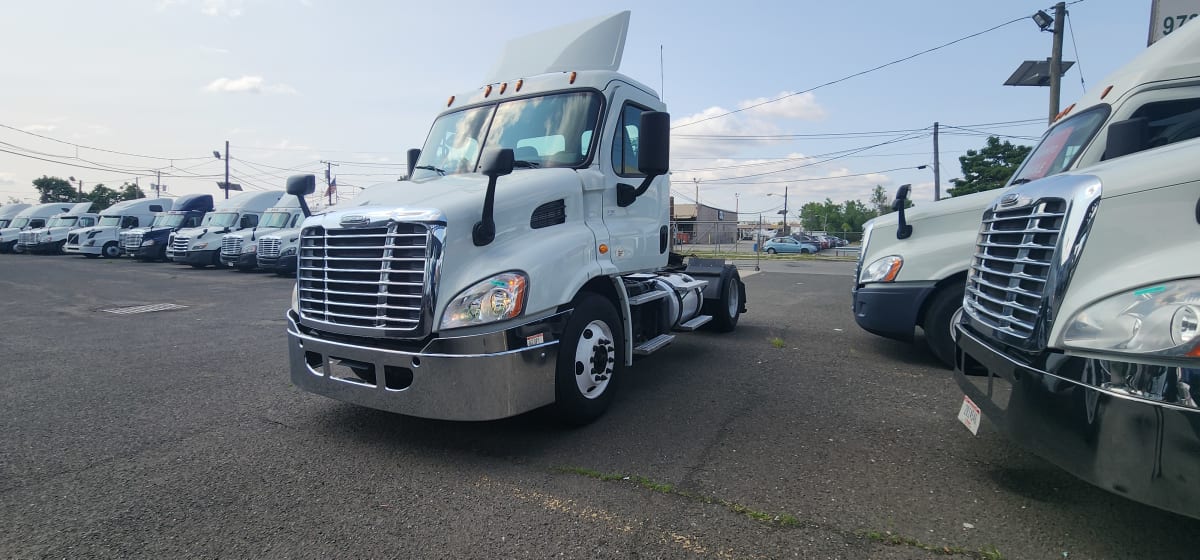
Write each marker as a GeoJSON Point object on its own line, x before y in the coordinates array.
{"type": "Point", "coordinates": [503, 87]}
{"type": "Point", "coordinates": [487, 90]}
{"type": "Point", "coordinates": [1106, 90]}
{"type": "Point", "coordinates": [519, 84]}
{"type": "Point", "coordinates": [573, 74]}
{"type": "Point", "coordinates": [450, 101]}
{"type": "Point", "coordinates": [603, 249]}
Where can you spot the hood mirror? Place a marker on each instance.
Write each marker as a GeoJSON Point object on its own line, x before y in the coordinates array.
{"type": "Point", "coordinates": [903, 229]}
{"type": "Point", "coordinates": [301, 186]}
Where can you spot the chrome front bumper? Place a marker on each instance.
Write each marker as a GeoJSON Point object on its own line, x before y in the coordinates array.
{"type": "Point", "coordinates": [480, 377]}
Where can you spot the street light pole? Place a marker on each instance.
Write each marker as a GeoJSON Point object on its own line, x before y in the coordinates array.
{"type": "Point", "coordinates": [1060, 13]}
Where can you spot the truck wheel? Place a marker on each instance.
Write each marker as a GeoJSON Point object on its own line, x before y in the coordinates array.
{"type": "Point", "coordinates": [944, 310]}
{"type": "Point", "coordinates": [17, 248]}
{"type": "Point", "coordinates": [590, 355]}
{"type": "Point", "coordinates": [726, 310]}
{"type": "Point", "coordinates": [111, 250]}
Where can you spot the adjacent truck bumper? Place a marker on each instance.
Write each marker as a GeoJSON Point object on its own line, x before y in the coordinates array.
{"type": "Point", "coordinates": [196, 257]}
{"type": "Point", "coordinates": [889, 309]}
{"type": "Point", "coordinates": [48, 247]}
{"type": "Point", "coordinates": [278, 264]}
{"type": "Point", "coordinates": [1075, 417]}
{"type": "Point", "coordinates": [244, 260]}
{"type": "Point", "coordinates": [82, 249]}
{"type": "Point", "coordinates": [481, 377]}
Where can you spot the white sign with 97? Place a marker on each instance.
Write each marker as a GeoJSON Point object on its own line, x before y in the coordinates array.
{"type": "Point", "coordinates": [1167, 16]}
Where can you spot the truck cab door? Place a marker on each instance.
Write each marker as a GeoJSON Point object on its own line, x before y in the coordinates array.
{"type": "Point", "coordinates": [637, 232]}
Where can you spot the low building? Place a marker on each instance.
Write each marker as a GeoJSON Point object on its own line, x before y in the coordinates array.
{"type": "Point", "coordinates": [709, 225]}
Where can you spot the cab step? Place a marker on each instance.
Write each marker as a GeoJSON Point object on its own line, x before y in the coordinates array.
{"type": "Point", "coordinates": [647, 297]}
{"type": "Point", "coordinates": [653, 345]}
{"type": "Point", "coordinates": [695, 323]}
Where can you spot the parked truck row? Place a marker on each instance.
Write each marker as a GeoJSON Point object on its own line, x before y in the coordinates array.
{"type": "Point", "coordinates": [1069, 302]}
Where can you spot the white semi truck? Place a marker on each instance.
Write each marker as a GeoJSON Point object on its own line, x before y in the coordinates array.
{"type": "Point", "coordinates": [10, 211]}
{"type": "Point", "coordinates": [913, 264]}
{"type": "Point", "coordinates": [240, 250]}
{"type": "Point", "coordinates": [277, 251]}
{"type": "Point", "coordinates": [201, 246]}
{"type": "Point", "coordinates": [104, 239]}
{"type": "Point", "coordinates": [51, 238]}
{"type": "Point", "coordinates": [525, 263]}
{"type": "Point", "coordinates": [33, 217]}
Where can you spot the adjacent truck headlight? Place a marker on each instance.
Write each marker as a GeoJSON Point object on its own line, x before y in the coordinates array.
{"type": "Point", "coordinates": [288, 252]}
{"type": "Point", "coordinates": [495, 299]}
{"type": "Point", "coordinates": [148, 243]}
{"type": "Point", "coordinates": [882, 270]}
{"type": "Point", "coordinates": [1162, 319]}
{"type": "Point", "coordinates": [251, 248]}
{"type": "Point", "coordinates": [199, 246]}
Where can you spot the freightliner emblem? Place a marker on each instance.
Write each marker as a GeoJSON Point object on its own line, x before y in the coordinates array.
{"type": "Point", "coordinates": [1006, 200]}
{"type": "Point", "coordinates": [353, 219]}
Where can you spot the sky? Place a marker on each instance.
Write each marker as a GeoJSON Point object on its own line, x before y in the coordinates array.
{"type": "Point", "coordinates": [292, 83]}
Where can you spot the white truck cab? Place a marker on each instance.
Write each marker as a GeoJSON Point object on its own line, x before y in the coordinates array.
{"type": "Point", "coordinates": [104, 239]}
{"type": "Point", "coordinates": [201, 246]}
{"type": "Point", "coordinates": [10, 211]}
{"type": "Point", "coordinates": [51, 238]}
{"type": "Point", "coordinates": [32, 217]}
{"type": "Point", "coordinates": [915, 275]}
{"type": "Point", "coordinates": [1080, 336]}
{"type": "Point", "coordinates": [277, 251]}
{"type": "Point", "coordinates": [240, 249]}
{"type": "Point", "coordinates": [524, 263]}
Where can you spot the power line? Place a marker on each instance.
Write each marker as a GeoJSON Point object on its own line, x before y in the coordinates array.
{"type": "Point", "coordinates": [1078, 63]}
{"type": "Point", "coordinates": [810, 179]}
{"type": "Point", "coordinates": [13, 128]}
{"type": "Point", "coordinates": [904, 138]}
{"type": "Point", "coordinates": [855, 75]}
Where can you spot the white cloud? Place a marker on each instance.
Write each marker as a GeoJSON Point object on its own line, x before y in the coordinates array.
{"type": "Point", "coordinates": [231, 8]}
{"type": "Point", "coordinates": [248, 84]}
{"type": "Point", "coordinates": [802, 106]}
{"type": "Point", "coordinates": [39, 128]}
{"type": "Point", "coordinates": [713, 129]}
{"type": "Point", "coordinates": [7, 179]}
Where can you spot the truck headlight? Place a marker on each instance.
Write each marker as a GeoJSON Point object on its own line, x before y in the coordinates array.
{"type": "Point", "coordinates": [251, 248]}
{"type": "Point", "coordinates": [148, 243]}
{"type": "Point", "coordinates": [199, 246]}
{"type": "Point", "coordinates": [882, 270]}
{"type": "Point", "coordinates": [91, 243]}
{"type": "Point", "coordinates": [288, 252]}
{"type": "Point", "coordinates": [495, 299]}
{"type": "Point", "coordinates": [296, 299]}
{"type": "Point", "coordinates": [1163, 319]}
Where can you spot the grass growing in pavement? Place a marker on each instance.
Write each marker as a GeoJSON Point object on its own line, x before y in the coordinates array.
{"type": "Point", "coordinates": [783, 520]}
{"type": "Point", "coordinates": [777, 342]}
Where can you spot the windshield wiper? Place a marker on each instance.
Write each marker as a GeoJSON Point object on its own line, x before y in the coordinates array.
{"type": "Point", "coordinates": [1021, 181]}
{"type": "Point", "coordinates": [526, 164]}
{"type": "Point", "coordinates": [431, 168]}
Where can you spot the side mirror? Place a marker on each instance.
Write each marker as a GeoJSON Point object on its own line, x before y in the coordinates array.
{"type": "Point", "coordinates": [494, 163]}
{"type": "Point", "coordinates": [248, 222]}
{"type": "Point", "coordinates": [654, 154]}
{"type": "Point", "coordinates": [1127, 137]}
{"type": "Point", "coordinates": [414, 154]}
{"type": "Point", "coordinates": [903, 230]}
{"type": "Point", "coordinates": [301, 186]}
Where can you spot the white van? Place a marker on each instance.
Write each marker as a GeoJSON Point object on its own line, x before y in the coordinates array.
{"type": "Point", "coordinates": [240, 249]}
{"type": "Point", "coordinates": [50, 239]}
{"type": "Point", "coordinates": [201, 246]}
{"type": "Point", "coordinates": [915, 275]}
{"type": "Point", "coordinates": [33, 217]}
{"type": "Point", "coordinates": [103, 240]}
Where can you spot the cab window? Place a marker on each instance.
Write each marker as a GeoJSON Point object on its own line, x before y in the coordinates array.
{"type": "Point", "coordinates": [625, 143]}
{"type": "Point", "coordinates": [1170, 121]}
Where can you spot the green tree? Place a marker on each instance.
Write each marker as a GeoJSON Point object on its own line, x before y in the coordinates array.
{"type": "Point", "coordinates": [880, 201]}
{"type": "Point", "coordinates": [988, 168]}
{"type": "Point", "coordinates": [130, 191]}
{"type": "Point", "coordinates": [102, 197]}
{"type": "Point", "coordinates": [54, 189]}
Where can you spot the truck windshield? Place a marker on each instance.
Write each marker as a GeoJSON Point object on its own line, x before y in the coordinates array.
{"type": "Point", "coordinates": [64, 221]}
{"type": "Point", "coordinates": [109, 221]}
{"type": "Point", "coordinates": [275, 219]}
{"type": "Point", "coordinates": [3, 223]}
{"type": "Point", "coordinates": [20, 223]}
{"type": "Point", "coordinates": [222, 219]}
{"type": "Point", "coordinates": [545, 131]}
{"type": "Point", "coordinates": [168, 220]}
{"type": "Point", "coordinates": [1061, 145]}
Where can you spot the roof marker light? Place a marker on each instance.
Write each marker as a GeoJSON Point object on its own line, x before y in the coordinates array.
{"type": "Point", "coordinates": [450, 101]}
{"type": "Point", "coordinates": [573, 74]}
{"type": "Point", "coordinates": [487, 90]}
{"type": "Point", "coordinates": [503, 87]}
{"type": "Point", "coordinates": [1106, 90]}
{"type": "Point", "coordinates": [519, 84]}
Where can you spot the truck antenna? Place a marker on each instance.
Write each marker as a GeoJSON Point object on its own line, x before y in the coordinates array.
{"type": "Point", "coordinates": [662, 84]}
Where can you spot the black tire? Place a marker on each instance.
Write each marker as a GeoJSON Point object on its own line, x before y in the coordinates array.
{"type": "Point", "coordinates": [726, 311]}
{"type": "Point", "coordinates": [18, 249]}
{"type": "Point", "coordinates": [771, 251]}
{"type": "Point", "coordinates": [111, 250]}
{"type": "Point", "coordinates": [805, 252]}
{"type": "Point", "coordinates": [572, 375]}
{"type": "Point", "coordinates": [91, 256]}
{"type": "Point", "coordinates": [197, 265]}
{"type": "Point", "coordinates": [939, 318]}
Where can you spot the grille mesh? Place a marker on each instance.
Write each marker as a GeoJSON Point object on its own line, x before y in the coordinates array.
{"type": "Point", "coordinates": [231, 245]}
{"type": "Point", "coordinates": [131, 241]}
{"type": "Point", "coordinates": [1012, 264]}
{"type": "Point", "coordinates": [27, 238]}
{"type": "Point", "coordinates": [364, 277]}
{"type": "Point", "coordinates": [179, 244]}
{"type": "Point", "coordinates": [268, 247]}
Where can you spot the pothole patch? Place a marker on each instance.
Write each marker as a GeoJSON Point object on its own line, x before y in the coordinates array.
{"type": "Point", "coordinates": [144, 308]}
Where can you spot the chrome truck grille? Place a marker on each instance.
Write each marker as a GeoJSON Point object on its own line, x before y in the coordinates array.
{"type": "Point", "coordinates": [231, 245]}
{"type": "Point", "coordinates": [131, 241]}
{"type": "Point", "coordinates": [371, 278]}
{"type": "Point", "coordinates": [27, 238]}
{"type": "Point", "coordinates": [1012, 265]}
{"type": "Point", "coordinates": [268, 247]}
{"type": "Point", "coordinates": [179, 244]}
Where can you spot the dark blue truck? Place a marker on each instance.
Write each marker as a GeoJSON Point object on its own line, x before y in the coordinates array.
{"type": "Point", "coordinates": [150, 243]}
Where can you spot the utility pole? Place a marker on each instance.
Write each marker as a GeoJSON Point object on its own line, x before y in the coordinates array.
{"type": "Point", "coordinates": [786, 231]}
{"type": "Point", "coordinates": [1060, 14]}
{"type": "Point", "coordinates": [158, 183]}
{"type": "Point", "coordinates": [937, 168]}
{"type": "Point", "coordinates": [226, 170]}
{"type": "Point", "coordinates": [80, 197]}
{"type": "Point", "coordinates": [329, 180]}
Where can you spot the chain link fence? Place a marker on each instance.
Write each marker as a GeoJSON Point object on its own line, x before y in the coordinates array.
{"type": "Point", "coordinates": [730, 237]}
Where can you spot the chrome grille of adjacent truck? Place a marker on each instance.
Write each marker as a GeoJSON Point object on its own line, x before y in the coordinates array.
{"type": "Point", "coordinates": [179, 244]}
{"type": "Point", "coordinates": [131, 241]}
{"type": "Point", "coordinates": [27, 238]}
{"type": "Point", "coordinates": [268, 247]}
{"type": "Point", "coordinates": [1012, 265]}
{"type": "Point", "coordinates": [364, 277]}
{"type": "Point", "coordinates": [231, 245]}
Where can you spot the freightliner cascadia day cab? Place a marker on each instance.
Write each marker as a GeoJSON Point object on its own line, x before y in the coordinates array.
{"type": "Point", "coordinates": [915, 275]}
{"type": "Point", "coordinates": [526, 260]}
{"type": "Point", "coordinates": [1079, 333]}
{"type": "Point", "coordinates": [150, 243]}
{"type": "Point", "coordinates": [33, 217]}
{"type": "Point", "coordinates": [240, 250]}
{"type": "Point", "coordinates": [10, 211]}
{"type": "Point", "coordinates": [201, 246]}
{"type": "Point", "coordinates": [277, 250]}
{"type": "Point", "coordinates": [104, 239]}
{"type": "Point", "coordinates": [51, 238]}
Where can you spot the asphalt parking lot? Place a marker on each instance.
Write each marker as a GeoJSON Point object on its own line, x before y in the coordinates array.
{"type": "Point", "coordinates": [177, 433]}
